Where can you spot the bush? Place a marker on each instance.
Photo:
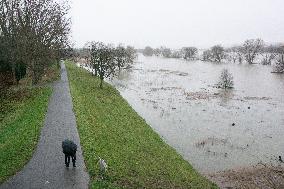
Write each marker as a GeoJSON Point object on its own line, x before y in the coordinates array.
{"type": "Point", "coordinates": [226, 80]}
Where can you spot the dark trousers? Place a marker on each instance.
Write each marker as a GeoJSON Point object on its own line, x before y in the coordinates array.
{"type": "Point", "coordinates": [67, 160]}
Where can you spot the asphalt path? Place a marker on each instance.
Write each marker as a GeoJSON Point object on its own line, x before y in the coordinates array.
{"type": "Point", "coordinates": [46, 169]}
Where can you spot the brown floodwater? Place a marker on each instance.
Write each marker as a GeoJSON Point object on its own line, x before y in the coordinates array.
{"type": "Point", "coordinates": [213, 129]}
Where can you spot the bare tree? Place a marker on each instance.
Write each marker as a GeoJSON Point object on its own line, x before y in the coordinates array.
{"type": "Point", "coordinates": [9, 32]}
{"type": "Point", "coordinates": [251, 48]}
{"type": "Point", "coordinates": [35, 32]}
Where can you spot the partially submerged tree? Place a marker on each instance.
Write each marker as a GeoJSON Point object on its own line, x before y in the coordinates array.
{"type": "Point", "coordinates": [166, 52]}
{"type": "Point", "coordinates": [226, 80]}
{"type": "Point", "coordinates": [268, 54]}
{"type": "Point", "coordinates": [189, 52]}
{"type": "Point", "coordinates": [157, 52]}
{"type": "Point", "coordinates": [106, 60]}
{"type": "Point", "coordinates": [131, 55]}
{"type": "Point", "coordinates": [176, 54]}
{"type": "Point", "coordinates": [251, 48]}
{"type": "Point", "coordinates": [148, 51]}
{"type": "Point", "coordinates": [206, 55]}
{"type": "Point", "coordinates": [234, 54]}
{"type": "Point", "coordinates": [217, 53]}
{"type": "Point", "coordinates": [279, 65]}
{"type": "Point", "coordinates": [120, 56]}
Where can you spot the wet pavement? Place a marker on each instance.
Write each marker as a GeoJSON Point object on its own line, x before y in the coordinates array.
{"type": "Point", "coordinates": [46, 169]}
{"type": "Point", "coordinates": [213, 129]}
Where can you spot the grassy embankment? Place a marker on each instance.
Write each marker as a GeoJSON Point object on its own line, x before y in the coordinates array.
{"type": "Point", "coordinates": [137, 157]}
{"type": "Point", "coordinates": [22, 112]}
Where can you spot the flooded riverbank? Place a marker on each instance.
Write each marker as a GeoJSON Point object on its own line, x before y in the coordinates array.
{"type": "Point", "coordinates": [214, 130]}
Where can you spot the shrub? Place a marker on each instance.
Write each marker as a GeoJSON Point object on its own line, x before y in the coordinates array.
{"type": "Point", "coordinates": [226, 80]}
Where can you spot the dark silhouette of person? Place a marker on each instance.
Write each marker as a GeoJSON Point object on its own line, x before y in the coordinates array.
{"type": "Point", "coordinates": [69, 149]}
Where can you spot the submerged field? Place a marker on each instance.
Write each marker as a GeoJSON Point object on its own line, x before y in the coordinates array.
{"type": "Point", "coordinates": [213, 129]}
{"type": "Point", "coordinates": [109, 128]}
{"type": "Point", "coordinates": [223, 134]}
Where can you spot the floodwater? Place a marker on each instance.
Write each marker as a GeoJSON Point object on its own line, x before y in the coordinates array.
{"type": "Point", "coordinates": [213, 129]}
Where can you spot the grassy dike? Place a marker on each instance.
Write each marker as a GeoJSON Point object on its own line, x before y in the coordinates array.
{"type": "Point", "coordinates": [22, 113]}
{"type": "Point", "coordinates": [136, 156]}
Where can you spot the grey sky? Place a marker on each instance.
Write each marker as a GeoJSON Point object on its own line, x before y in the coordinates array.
{"type": "Point", "coordinates": [177, 23]}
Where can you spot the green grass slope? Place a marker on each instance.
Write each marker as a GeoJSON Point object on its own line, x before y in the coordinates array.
{"type": "Point", "coordinates": [136, 156]}
{"type": "Point", "coordinates": [21, 119]}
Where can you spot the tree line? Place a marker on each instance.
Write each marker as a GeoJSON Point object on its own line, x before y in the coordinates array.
{"type": "Point", "coordinates": [185, 52]}
{"type": "Point", "coordinates": [33, 35]}
{"type": "Point", "coordinates": [106, 60]}
{"type": "Point", "coordinates": [251, 51]}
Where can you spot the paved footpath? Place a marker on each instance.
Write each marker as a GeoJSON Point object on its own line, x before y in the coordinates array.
{"type": "Point", "coordinates": [46, 169]}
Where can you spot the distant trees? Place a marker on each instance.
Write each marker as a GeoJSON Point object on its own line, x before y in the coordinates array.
{"type": "Point", "coordinates": [186, 52]}
{"type": "Point", "coordinates": [33, 34]}
{"type": "Point", "coordinates": [166, 52]}
{"type": "Point", "coordinates": [162, 51]}
{"type": "Point", "coordinates": [130, 54]}
{"type": "Point", "coordinates": [148, 51]}
{"type": "Point", "coordinates": [206, 55]}
{"type": "Point", "coordinates": [279, 66]}
{"type": "Point", "coordinates": [189, 52]}
{"type": "Point", "coordinates": [239, 54]}
{"type": "Point", "coordinates": [106, 60]}
{"type": "Point", "coordinates": [248, 51]}
{"type": "Point", "coordinates": [157, 52]}
{"type": "Point", "coordinates": [226, 80]}
{"type": "Point", "coordinates": [268, 54]}
{"type": "Point", "coordinates": [234, 54]}
{"type": "Point", "coordinates": [255, 51]}
{"type": "Point", "coordinates": [251, 51]}
{"type": "Point", "coordinates": [176, 54]}
{"type": "Point", "coordinates": [251, 48]}
{"type": "Point", "coordinates": [217, 53]}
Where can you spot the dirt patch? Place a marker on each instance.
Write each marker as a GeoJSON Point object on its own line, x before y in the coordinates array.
{"type": "Point", "coordinates": [178, 73]}
{"type": "Point", "coordinates": [256, 98]}
{"type": "Point", "coordinates": [211, 141]}
{"type": "Point", "coordinates": [251, 98]}
{"type": "Point", "coordinates": [259, 176]}
{"type": "Point", "coordinates": [200, 95]}
{"type": "Point", "coordinates": [165, 89]}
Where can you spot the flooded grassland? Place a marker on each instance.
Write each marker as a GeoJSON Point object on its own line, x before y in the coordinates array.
{"type": "Point", "coordinates": [215, 130]}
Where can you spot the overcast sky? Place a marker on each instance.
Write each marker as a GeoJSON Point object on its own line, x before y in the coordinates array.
{"type": "Point", "coordinates": [176, 23]}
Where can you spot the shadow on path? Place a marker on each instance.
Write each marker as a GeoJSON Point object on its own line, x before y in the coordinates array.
{"type": "Point", "coordinates": [46, 169]}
